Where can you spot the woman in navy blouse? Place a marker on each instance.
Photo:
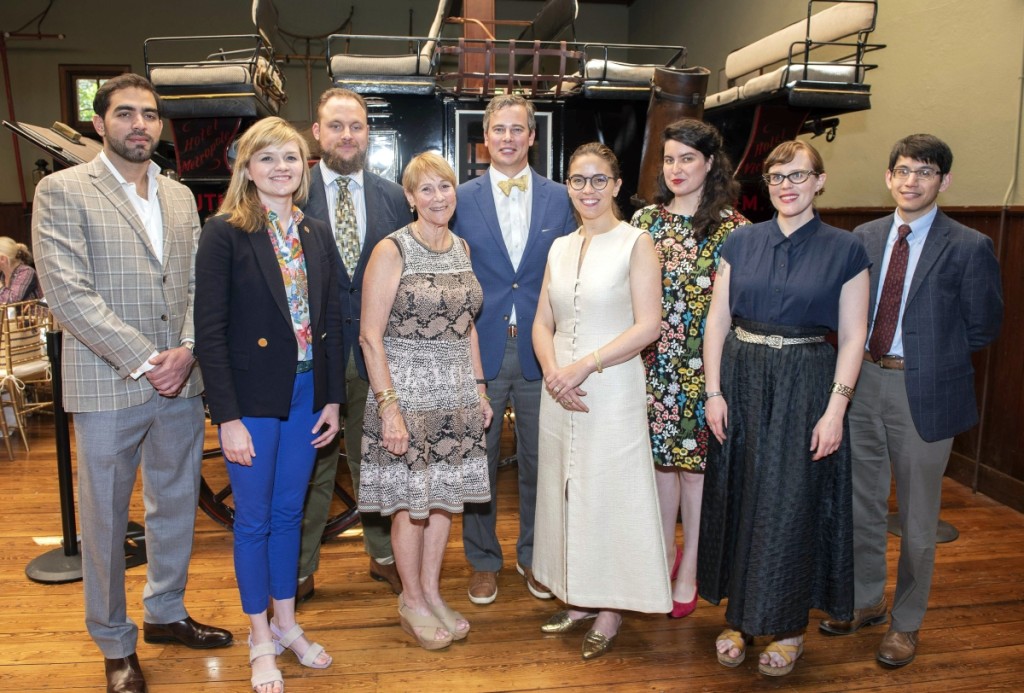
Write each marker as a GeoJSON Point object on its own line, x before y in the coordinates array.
{"type": "Point", "coordinates": [268, 340]}
{"type": "Point", "coordinates": [776, 525]}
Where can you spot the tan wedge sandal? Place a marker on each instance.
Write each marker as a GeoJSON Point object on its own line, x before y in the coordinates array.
{"type": "Point", "coordinates": [429, 624]}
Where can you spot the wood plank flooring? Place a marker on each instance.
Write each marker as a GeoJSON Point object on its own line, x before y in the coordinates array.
{"type": "Point", "coordinates": [972, 639]}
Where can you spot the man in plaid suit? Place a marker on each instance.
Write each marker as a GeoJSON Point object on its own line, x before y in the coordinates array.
{"type": "Point", "coordinates": [114, 246]}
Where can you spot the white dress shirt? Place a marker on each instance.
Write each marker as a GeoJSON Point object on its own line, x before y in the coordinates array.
{"type": "Point", "coordinates": [514, 211]}
{"type": "Point", "coordinates": [148, 210]}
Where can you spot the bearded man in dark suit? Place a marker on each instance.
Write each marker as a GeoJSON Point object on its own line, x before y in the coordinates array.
{"type": "Point", "coordinates": [377, 207]}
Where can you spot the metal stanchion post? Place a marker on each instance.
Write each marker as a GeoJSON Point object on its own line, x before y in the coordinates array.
{"type": "Point", "coordinates": [65, 564]}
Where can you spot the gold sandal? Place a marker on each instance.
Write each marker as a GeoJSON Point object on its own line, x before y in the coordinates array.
{"type": "Point", "coordinates": [789, 654]}
{"type": "Point", "coordinates": [738, 640]}
{"type": "Point", "coordinates": [411, 621]}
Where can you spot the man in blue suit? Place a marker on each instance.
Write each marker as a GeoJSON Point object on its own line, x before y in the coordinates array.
{"type": "Point", "coordinates": [379, 207]}
{"type": "Point", "coordinates": [509, 216]}
{"type": "Point", "coordinates": [916, 387]}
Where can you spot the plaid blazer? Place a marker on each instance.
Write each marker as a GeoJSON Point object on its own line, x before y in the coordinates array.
{"type": "Point", "coordinates": [116, 301]}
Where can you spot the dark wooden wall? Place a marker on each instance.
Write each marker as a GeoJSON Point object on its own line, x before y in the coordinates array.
{"type": "Point", "coordinates": [15, 222]}
{"type": "Point", "coordinates": [989, 457]}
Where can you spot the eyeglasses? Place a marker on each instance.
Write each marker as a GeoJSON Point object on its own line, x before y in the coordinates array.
{"type": "Point", "coordinates": [902, 173]}
{"type": "Point", "coordinates": [597, 182]}
{"type": "Point", "coordinates": [796, 177]}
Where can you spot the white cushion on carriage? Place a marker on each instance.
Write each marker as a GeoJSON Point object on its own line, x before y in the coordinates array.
{"type": "Point", "coordinates": [721, 98]}
{"type": "Point", "coordinates": [619, 72]}
{"type": "Point", "coordinates": [388, 65]}
{"type": "Point", "coordinates": [843, 73]}
{"type": "Point", "coordinates": [832, 24]}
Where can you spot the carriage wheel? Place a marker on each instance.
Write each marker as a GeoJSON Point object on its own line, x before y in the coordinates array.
{"type": "Point", "coordinates": [218, 505]}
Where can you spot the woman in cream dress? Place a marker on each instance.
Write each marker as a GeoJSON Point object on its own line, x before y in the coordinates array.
{"type": "Point", "coordinates": [599, 544]}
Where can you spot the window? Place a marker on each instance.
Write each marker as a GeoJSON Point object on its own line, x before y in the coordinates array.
{"type": "Point", "coordinates": [78, 85]}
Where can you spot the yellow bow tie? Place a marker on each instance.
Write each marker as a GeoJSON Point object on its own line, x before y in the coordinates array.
{"type": "Point", "coordinates": [506, 185]}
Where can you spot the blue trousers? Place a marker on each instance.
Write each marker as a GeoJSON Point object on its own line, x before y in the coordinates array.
{"type": "Point", "coordinates": [268, 500]}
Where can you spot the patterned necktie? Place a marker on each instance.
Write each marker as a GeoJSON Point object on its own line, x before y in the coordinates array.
{"type": "Point", "coordinates": [506, 185]}
{"type": "Point", "coordinates": [346, 230]}
{"type": "Point", "coordinates": [892, 296]}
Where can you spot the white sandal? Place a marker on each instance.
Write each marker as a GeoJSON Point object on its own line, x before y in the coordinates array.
{"type": "Point", "coordinates": [264, 677]}
{"type": "Point", "coordinates": [312, 653]}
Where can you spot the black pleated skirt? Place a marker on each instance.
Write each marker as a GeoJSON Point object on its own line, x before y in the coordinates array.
{"type": "Point", "coordinates": [776, 530]}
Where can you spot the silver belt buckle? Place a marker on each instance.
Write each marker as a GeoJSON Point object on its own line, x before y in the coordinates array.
{"type": "Point", "coordinates": [773, 340]}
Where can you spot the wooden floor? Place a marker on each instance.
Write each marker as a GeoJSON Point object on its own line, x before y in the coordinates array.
{"type": "Point", "coordinates": [972, 639]}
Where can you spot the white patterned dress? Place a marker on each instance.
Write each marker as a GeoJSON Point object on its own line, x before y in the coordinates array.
{"type": "Point", "coordinates": [427, 344]}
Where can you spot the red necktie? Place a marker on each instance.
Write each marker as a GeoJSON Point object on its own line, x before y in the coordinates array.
{"type": "Point", "coordinates": [892, 295]}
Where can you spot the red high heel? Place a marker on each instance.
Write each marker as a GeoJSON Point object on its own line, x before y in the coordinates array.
{"type": "Point", "coordinates": [682, 609]}
{"type": "Point", "coordinates": [675, 566]}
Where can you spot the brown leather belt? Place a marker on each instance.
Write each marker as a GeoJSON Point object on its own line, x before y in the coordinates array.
{"type": "Point", "coordinates": [513, 331]}
{"type": "Point", "coordinates": [892, 362]}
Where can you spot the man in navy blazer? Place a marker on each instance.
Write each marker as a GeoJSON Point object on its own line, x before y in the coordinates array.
{"type": "Point", "coordinates": [509, 216]}
{"type": "Point", "coordinates": [914, 398]}
{"type": "Point", "coordinates": [342, 130]}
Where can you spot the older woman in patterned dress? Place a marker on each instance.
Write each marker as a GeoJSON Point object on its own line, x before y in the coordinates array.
{"type": "Point", "coordinates": [692, 218]}
{"type": "Point", "coordinates": [423, 432]}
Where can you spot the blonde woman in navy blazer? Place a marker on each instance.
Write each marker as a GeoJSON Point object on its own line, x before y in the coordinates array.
{"type": "Point", "coordinates": [268, 339]}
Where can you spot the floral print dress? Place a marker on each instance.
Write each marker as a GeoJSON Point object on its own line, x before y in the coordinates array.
{"type": "Point", "coordinates": [675, 363]}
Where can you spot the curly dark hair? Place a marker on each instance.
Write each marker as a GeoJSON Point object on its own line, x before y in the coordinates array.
{"type": "Point", "coordinates": [720, 190]}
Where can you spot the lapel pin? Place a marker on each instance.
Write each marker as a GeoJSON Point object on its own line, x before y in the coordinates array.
{"type": "Point", "coordinates": [305, 228]}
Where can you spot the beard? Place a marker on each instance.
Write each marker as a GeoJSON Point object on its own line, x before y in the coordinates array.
{"type": "Point", "coordinates": [342, 166]}
{"type": "Point", "coordinates": [133, 153]}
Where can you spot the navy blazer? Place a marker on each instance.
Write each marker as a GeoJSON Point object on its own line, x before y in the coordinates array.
{"type": "Point", "coordinates": [386, 210]}
{"type": "Point", "coordinates": [954, 307]}
{"type": "Point", "coordinates": [245, 342]}
{"type": "Point", "coordinates": [476, 220]}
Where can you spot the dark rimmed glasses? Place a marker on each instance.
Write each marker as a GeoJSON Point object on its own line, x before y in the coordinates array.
{"type": "Point", "coordinates": [795, 177]}
{"type": "Point", "coordinates": [597, 182]}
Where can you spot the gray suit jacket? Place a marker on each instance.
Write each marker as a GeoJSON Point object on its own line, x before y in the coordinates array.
{"type": "Point", "coordinates": [115, 299]}
{"type": "Point", "coordinates": [387, 210]}
{"type": "Point", "coordinates": [954, 307]}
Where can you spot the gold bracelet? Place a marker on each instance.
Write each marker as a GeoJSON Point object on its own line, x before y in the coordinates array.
{"type": "Point", "coordinates": [597, 360]}
{"type": "Point", "coordinates": [483, 395]}
{"type": "Point", "coordinates": [385, 404]}
{"type": "Point", "coordinates": [843, 390]}
{"type": "Point", "coordinates": [384, 394]}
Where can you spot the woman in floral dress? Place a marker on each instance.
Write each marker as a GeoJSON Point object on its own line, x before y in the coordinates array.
{"type": "Point", "coordinates": [693, 217]}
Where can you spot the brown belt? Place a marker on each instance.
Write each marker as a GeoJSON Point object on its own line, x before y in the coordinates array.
{"type": "Point", "coordinates": [513, 331]}
{"type": "Point", "coordinates": [893, 362]}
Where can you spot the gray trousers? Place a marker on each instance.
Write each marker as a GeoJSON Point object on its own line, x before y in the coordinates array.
{"type": "Point", "coordinates": [376, 529]}
{"type": "Point", "coordinates": [479, 533]}
{"type": "Point", "coordinates": [165, 437]}
{"type": "Point", "coordinates": [884, 442]}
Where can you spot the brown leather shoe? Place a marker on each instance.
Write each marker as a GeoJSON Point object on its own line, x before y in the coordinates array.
{"type": "Point", "coordinates": [483, 587]}
{"type": "Point", "coordinates": [536, 589]}
{"type": "Point", "coordinates": [124, 675]}
{"type": "Point", "coordinates": [871, 616]}
{"type": "Point", "coordinates": [305, 590]}
{"type": "Point", "coordinates": [386, 573]}
{"type": "Point", "coordinates": [898, 649]}
{"type": "Point", "coordinates": [186, 632]}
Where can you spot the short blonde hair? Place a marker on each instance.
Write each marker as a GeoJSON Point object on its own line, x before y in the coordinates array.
{"type": "Point", "coordinates": [423, 165]}
{"type": "Point", "coordinates": [241, 202]}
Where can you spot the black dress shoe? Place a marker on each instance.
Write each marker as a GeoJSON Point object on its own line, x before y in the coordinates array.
{"type": "Point", "coordinates": [124, 675]}
{"type": "Point", "coordinates": [186, 632]}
